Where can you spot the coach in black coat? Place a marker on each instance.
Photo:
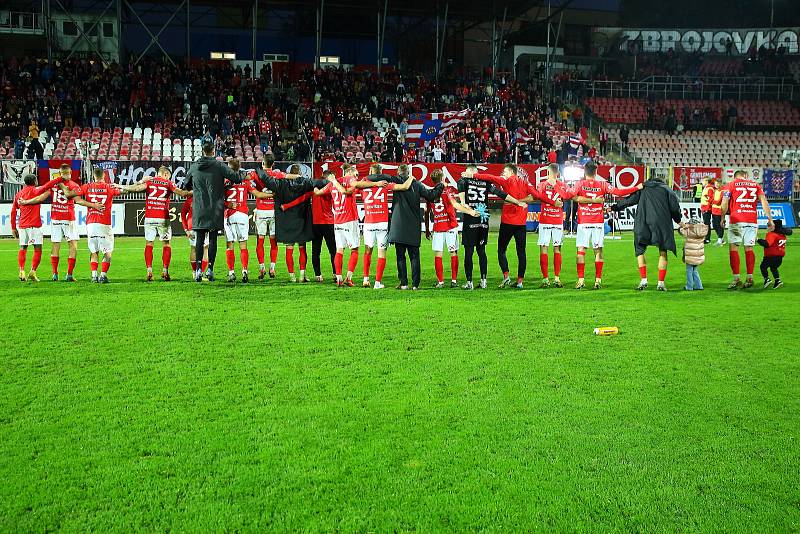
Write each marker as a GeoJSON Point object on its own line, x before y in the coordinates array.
{"type": "Point", "coordinates": [658, 207]}
{"type": "Point", "coordinates": [293, 225]}
{"type": "Point", "coordinates": [206, 179]}
{"type": "Point", "coordinates": [405, 224]}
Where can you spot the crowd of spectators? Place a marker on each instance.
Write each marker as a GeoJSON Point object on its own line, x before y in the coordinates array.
{"type": "Point", "coordinates": [315, 111]}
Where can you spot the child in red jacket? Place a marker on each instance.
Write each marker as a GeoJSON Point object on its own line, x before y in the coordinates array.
{"type": "Point", "coordinates": [774, 250]}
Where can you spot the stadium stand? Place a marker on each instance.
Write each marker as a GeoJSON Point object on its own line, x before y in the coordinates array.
{"type": "Point", "coordinates": [756, 114]}
{"type": "Point", "coordinates": [344, 115]}
{"type": "Point", "coordinates": [714, 148]}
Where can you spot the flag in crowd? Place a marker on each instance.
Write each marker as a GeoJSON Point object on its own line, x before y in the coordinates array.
{"type": "Point", "coordinates": [778, 183]}
{"type": "Point", "coordinates": [425, 127]}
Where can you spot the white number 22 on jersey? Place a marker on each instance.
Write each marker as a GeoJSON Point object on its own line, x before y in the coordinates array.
{"type": "Point", "coordinates": [158, 192]}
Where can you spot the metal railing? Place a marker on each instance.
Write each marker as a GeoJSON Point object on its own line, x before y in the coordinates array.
{"type": "Point", "coordinates": [723, 89]}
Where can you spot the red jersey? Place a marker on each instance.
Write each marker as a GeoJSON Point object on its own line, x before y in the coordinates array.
{"type": "Point", "coordinates": [550, 214]}
{"type": "Point", "coordinates": [376, 204]}
{"type": "Point", "coordinates": [186, 214]}
{"type": "Point", "coordinates": [238, 193]}
{"type": "Point", "coordinates": [596, 188]}
{"type": "Point", "coordinates": [444, 214]}
{"type": "Point", "coordinates": [517, 188]}
{"type": "Point", "coordinates": [344, 206]}
{"type": "Point", "coordinates": [63, 208]}
{"type": "Point", "coordinates": [265, 204]}
{"type": "Point", "coordinates": [322, 207]}
{"type": "Point", "coordinates": [776, 245]}
{"type": "Point", "coordinates": [29, 216]}
{"type": "Point", "coordinates": [100, 193]}
{"type": "Point", "coordinates": [743, 197]}
{"type": "Point", "coordinates": [156, 203]}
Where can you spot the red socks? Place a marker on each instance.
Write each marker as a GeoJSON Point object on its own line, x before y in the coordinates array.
{"type": "Point", "coordinates": [104, 266]}
{"type": "Point", "coordinates": [380, 269]}
{"type": "Point", "coordinates": [37, 259]}
{"type": "Point", "coordinates": [750, 262]}
{"type": "Point", "coordinates": [166, 256]}
{"type": "Point", "coordinates": [337, 263]}
{"type": "Point", "coordinates": [303, 258]}
{"type": "Point", "coordinates": [93, 266]}
{"type": "Point", "coordinates": [194, 265]}
{"type": "Point", "coordinates": [289, 258]}
{"type": "Point", "coordinates": [735, 262]}
{"type": "Point", "coordinates": [204, 265]}
{"type": "Point", "coordinates": [148, 256]}
{"type": "Point", "coordinates": [543, 265]}
{"type": "Point", "coordinates": [244, 256]}
{"type": "Point", "coordinates": [598, 269]}
{"type": "Point", "coordinates": [662, 275]}
{"type": "Point", "coordinates": [273, 250]}
{"type": "Point", "coordinates": [557, 263]}
{"type": "Point", "coordinates": [230, 258]}
{"type": "Point", "coordinates": [54, 263]}
{"type": "Point", "coordinates": [437, 262]}
{"type": "Point", "coordinates": [581, 264]}
{"type": "Point", "coordinates": [643, 272]}
{"type": "Point", "coordinates": [454, 267]}
{"type": "Point", "coordinates": [353, 261]}
{"type": "Point", "coordinates": [260, 250]}
{"type": "Point", "coordinates": [70, 265]}
{"type": "Point", "coordinates": [367, 261]}
{"type": "Point", "coordinates": [21, 255]}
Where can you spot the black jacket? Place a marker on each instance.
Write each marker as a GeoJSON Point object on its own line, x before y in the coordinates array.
{"type": "Point", "coordinates": [405, 224]}
{"type": "Point", "coordinates": [206, 178]}
{"type": "Point", "coordinates": [652, 225]}
{"type": "Point", "coordinates": [295, 224]}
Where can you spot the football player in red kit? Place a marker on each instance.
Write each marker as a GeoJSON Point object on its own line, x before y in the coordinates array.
{"type": "Point", "coordinates": [740, 199]}
{"type": "Point", "coordinates": [590, 194]}
{"type": "Point", "coordinates": [445, 229]}
{"type": "Point", "coordinates": [158, 190]}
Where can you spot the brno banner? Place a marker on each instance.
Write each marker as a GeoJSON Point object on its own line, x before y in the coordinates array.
{"type": "Point", "coordinates": [685, 178]}
{"type": "Point", "coordinates": [117, 218]}
{"type": "Point", "coordinates": [697, 40]}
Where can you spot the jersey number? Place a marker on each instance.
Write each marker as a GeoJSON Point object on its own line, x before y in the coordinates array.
{"type": "Point", "coordinates": [476, 195]}
{"type": "Point", "coordinates": [158, 192]}
{"type": "Point", "coordinates": [746, 194]}
{"type": "Point", "coordinates": [59, 197]}
{"type": "Point", "coordinates": [98, 199]}
{"type": "Point", "coordinates": [235, 195]}
{"type": "Point", "coordinates": [371, 196]}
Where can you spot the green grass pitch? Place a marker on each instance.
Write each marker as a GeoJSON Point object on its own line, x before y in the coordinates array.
{"type": "Point", "coordinates": [302, 407]}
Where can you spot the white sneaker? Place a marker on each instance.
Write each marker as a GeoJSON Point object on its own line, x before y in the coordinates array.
{"type": "Point", "coordinates": [483, 283]}
{"type": "Point", "coordinates": [378, 285]}
{"type": "Point", "coordinates": [468, 286]}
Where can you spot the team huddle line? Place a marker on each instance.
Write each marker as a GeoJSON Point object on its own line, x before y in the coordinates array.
{"type": "Point", "coordinates": [295, 210]}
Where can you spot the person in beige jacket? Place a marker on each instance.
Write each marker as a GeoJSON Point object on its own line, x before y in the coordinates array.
{"type": "Point", "coordinates": [694, 234]}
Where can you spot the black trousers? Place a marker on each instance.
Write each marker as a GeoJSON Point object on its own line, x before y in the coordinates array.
{"type": "Point", "coordinates": [483, 262]}
{"type": "Point", "coordinates": [707, 222]}
{"type": "Point", "coordinates": [772, 263]}
{"type": "Point", "coordinates": [200, 239]}
{"type": "Point", "coordinates": [402, 271]}
{"type": "Point", "coordinates": [717, 223]}
{"type": "Point", "coordinates": [520, 234]}
{"type": "Point", "coordinates": [322, 231]}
